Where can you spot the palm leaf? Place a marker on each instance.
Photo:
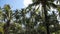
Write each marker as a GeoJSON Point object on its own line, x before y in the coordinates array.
{"type": "Point", "coordinates": [52, 4]}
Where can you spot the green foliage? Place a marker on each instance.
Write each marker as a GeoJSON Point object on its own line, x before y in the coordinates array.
{"type": "Point", "coordinates": [36, 22]}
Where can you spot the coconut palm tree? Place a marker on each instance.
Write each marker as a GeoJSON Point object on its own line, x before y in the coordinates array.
{"type": "Point", "coordinates": [1, 14]}
{"type": "Point", "coordinates": [16, 15]}
{"type": "Point", "coordinates": [8, 16]}
{"type": "Point", "coordinates": [46, 4]}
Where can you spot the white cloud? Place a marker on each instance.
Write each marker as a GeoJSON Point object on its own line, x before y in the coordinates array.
{"type": "Point", "coordinates": [27, 2]}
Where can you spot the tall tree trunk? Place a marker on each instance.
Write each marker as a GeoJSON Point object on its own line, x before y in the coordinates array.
{"type": "Point", "coordinates": [46, 17]}
{"type": "Point", "coordinates": [6, 27]}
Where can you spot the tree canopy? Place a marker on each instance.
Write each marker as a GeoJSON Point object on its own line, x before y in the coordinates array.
{"type": "Point", "coordinates": [37, 18]}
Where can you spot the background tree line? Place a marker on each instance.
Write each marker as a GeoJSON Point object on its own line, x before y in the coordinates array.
{"type": "Point", "coordinates": [37, 18]}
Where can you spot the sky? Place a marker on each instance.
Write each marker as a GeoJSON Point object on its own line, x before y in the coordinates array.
{"type": "Point", "coordinates": [15, 4]}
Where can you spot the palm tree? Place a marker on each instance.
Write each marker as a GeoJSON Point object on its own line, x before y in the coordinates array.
{"type": "Point", "coordinates": [46, 4]}
{"type": "Point", "coordinates": [1, 14]}
{"type": "Point", "coordinates": [8, 16]}
{"type": "Point", "coordinates": [16, 15]}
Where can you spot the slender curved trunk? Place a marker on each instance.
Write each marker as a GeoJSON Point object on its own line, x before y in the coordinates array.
{"type": "Point", "coordinates": [6, 27]}
{"type": "Point", "coordinates": [46, 17]}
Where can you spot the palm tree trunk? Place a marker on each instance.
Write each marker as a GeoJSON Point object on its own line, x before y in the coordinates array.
{"type": "Point", "coordinates": [6, 27]}
{"type": "Point", "coordinates": [46, 17]}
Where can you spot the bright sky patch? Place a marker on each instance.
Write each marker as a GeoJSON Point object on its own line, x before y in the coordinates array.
{"type": "Point", "coordinates": [27, 2]}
